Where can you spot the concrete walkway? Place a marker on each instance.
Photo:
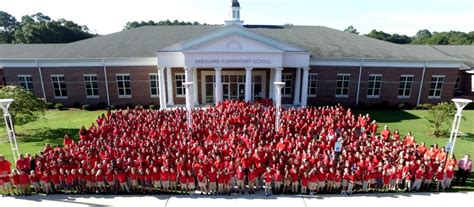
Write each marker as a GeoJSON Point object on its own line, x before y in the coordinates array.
{"type": "Point", "coordinates": [365, 200]}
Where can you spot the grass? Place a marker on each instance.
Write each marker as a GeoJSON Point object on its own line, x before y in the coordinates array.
{"type": "Point", "coordinates": [51, 128]}
{"type": "Point", "coordinates": [33, 136]}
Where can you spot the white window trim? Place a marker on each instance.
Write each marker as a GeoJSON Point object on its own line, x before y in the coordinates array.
{"type": "Point", "coordinates": [85, 88]}
{"type": "Point", "coordinates": [176, 86]}
{"type": "Point", "coordinates": [157, 85]}
{"type": "Point", "coordinates": [317, 81]}
{"type": "Point", "coordinates": [406, 76]}
{"type": "Point", "coordinates": [440, 90]}
{"type": "Point", "coordinates": [291, 87]}
{"type": "Point", "coordinates": [118, 90]}
{"type": "Point", "coordinates": [380, 89]}
{"type": "Point", "coordinates": [348, 87]}
{"type": "Point", "coordinates": [52, 84]}
{"type": "Point", "coordinates": [26, 76]}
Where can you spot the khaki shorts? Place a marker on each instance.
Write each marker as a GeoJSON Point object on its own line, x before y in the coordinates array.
{"type": "Point", "coordinates": [240, 183]}
{"type": "Point", "coordinates": [157, 184]}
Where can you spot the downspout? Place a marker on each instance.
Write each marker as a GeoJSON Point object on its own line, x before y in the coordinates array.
{"type": "Point", "coordinates": [421, 83]}
{"type": "Point", "coordinates": [358, 82]}
{"type": "Point", "coordinates": [106, 82]}
{"type": "Point", "coordinates": [41, 80]}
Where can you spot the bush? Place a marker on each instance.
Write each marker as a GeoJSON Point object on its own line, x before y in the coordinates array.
{"type": "Point", "coordinates": [152, 106]}
{"type": "Point", "coordinates": [87, 107]}
{"type": "Point", "coordinates": [439, 116]}
{"type": "Point", "coordinates": [102, 105]}
{"type": "Point", "coordinates": [50, 105]}
{"type": "Point", "coordinates": [404, 105]}
{"type": "Point", "coordinates": [59, 106]}
{"type": "Point", "coordinates": [76, 105]}
{"type": "Point", "coordinates": [425, 106]}
{"type": "Point", "coordinates": [113, 107]}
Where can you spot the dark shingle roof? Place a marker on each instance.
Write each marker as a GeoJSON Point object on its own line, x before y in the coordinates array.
{"type": "Point", "coordinates": [145, 41]}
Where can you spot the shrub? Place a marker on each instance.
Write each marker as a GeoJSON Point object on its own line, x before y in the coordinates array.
{"type": "Point", "coordinates": [76, 105]}
{"type": "Point", "coordinates": [439, 116]}
{"type": "Point", "coordinates": [50, 105]}
{"type": "Point", "coordinates": [59, 106]}
{"type": "Point", "coordinates": [404, 105]}
{"type": "Point", "coordinates": [87, 107]}
{"type": "Point", "coordinates": [102, 105]}
{"type": "Point", "coordinates": [425, 106]}
{"type": "Point", "coordinates": [152, 106]}
{"type": "Point", "coordinates": [113, 107]}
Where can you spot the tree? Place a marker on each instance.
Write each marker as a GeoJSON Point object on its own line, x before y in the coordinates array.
{"type": "Point", "coordinates": [8, 25]}
{"type": "Point", "coordinates": [439, 117]}
{"type": "Point", "coordinates": [135, 24]}
{"type": "Point", "coordinates": [26, 107]}
{"type": "Point", "coordinates": [351, 29]}
{"type": "Point", "coordinates": [39, 28]}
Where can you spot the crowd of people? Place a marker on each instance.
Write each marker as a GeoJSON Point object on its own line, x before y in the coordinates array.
{"type": "Point", "coordinates": [234, 148]}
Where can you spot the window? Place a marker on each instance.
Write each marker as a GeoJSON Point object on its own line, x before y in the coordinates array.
{"type": "Point", "coordinates": [436, 86]}
{"type": "Point", "coordinates": [154, 92]}
{"type": "Point", "coordinates": [404, 89]}
{"type": "Point", "coordinates": [123, 86]}
{"type": "Point", "coordinates": [342, 85]}
{"type": "Point", "coordinates": [286, 90]}
{"type": "Point", "coordinates": [456, 85]}
{"type": "Point", "coordinates": [374, 85]}
{"type": "Point", "coordinates": [180, 88]}
{"type": "Point", "coordinates": [26, 83]}
{"type": "Point", "coordinates": [92, 86]}
{"type": "Point", "coordinates": [312, 84]}
{"type": "Point", "coordinates": [59, 86]}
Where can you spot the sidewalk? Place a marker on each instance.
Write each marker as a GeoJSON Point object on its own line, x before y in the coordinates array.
{"type": "Point", "coordinates": [365, 200]}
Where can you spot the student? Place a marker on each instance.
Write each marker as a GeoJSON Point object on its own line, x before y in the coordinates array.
{"type": "Point", "coordinates": [252, 176]}
{"type": "Point", "coordinates": [111, 181]}
{"type": "Point", "coordinates": [212, 178]}
{"type": "Point", "coordinates": [183, 182]}
{"type": "Point", "coordinates": [122, 178]}
{"type": "Point", "coordinates": [191, 182]}
{"type": "Point", "coordinates": [294, 180]}
{"type": "Point", "coordinates": [15, 178]}
{"type": "Point", "coordinates": [165, 178]}
{"type": "Point", "coordinates": [45, 181]}
{"type": "Point", "coordinates": [7, 184]}
{"type": "Point", "coordinates": [418, 179]}
{"type": "Point", "coordinates": [68, 182]}
{"type": "Point", "coordinates": [278, 179]}
{"type": "Point", "coordinates": [240, 175]}
{"type": "Point", "coordinates": [286, 181]}
{"type": "Point", "coordinates": [156, 179]}
{"type": "Point", "coordinates": [100, 180]}
{"type": "Point", "coordinates": [304, 183]}
{"type": "Point", "coordinates": [345, 181]}
{"type": "Point", "coordinates": [268, 178]}
{"type": "Point", "coordinates": [322, 176]}
{"type": "Point", "coordinates": [350, 184]}
{"type": "Point", "coordinates": [173, 177]}
{"type": "Point", "coordinates": [202, 182]}
{"type": "Point", "coordinates": [35, 181]}
{"type": "Point", "coordinates": [449, 176]}
{"type": "Point", "coordinates": [440, 179]}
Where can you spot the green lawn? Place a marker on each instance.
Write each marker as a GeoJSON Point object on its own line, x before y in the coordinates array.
{"type": "Point", "coordinates": [50, 129]}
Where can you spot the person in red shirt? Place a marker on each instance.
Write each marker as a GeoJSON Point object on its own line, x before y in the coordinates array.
{"type": "Point", "coordinates": [56, 180]}
{"type": "Point", "coordinates": [240, 176]}
{"type": "Point", "coordinates": [45, 181]}
{"type": "Point", "coordinates": [155, 178]}
{"type": "Point", "coordinates": [173, 176]}
{"type": "Point", "coordinates": [350, 184]}
{"type": "Point", "coordinates": [252, 177]}
{"type": "Point", "coordinates": [202, 181]}
{"type": "Point", "coordinates": [68, 141]}
{"type": "Point", "coordinates": [100, 181]}
{"type": "Point", "coordinates": [122, 178]}
{"type": "Point", "coordinates": [268, 178]}
{"type": "Point", "coordinates": [183, 182]}
{"type": "Point", "coordinates": [385, 133]}
{"type": "Point", "coordinates": [429, 174]}
{"type": "Point", "coordinates": [440, 179]}
{"type": "Point", "coordinates": [5, 165]}
{"type": "Point", "coordinates": [304, 183]}
{"type": "Point", "coordinates": [220, 177]}
{"type": "Point", "coordinates": [345, 181]}
{"type": "Point", "coordinates": [191, 182]}
{"type": "Point", "coordinates": [15, 177]}
{"type": "Point", "coordinates": [7, 184]}
{"type": "Point", "coordinates": [322, 176]}
{"type": "Point", "coordinates": [68, 181]}
{"type": "Point", "coordinates": [165, 178]}
{"type": "Point", "coordinates": [386, 180]}
{"type": "Point", "coordinates": [22, 164]}
{"type": "Point", "coordinates": [278, 178]}
{"type": "Point", "coordinates": [294, 180]}
{"type": "Point", "coordinates": [449, 176]}
{"type": "Point", "coordinates": [212, 180]}
{"type": "Point", "coordinates": [418, 179]}
{"type": "Point", "coordinates": [34, 179]}
{"type": "Point", "coordinates": [110, 180]}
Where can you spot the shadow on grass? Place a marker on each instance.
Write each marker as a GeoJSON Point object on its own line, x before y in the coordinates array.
{"type": "Point", "coordinates": [388, 116]}
{"type": "Point", "coordinates": [467, 137]}
{"type": "Point", "coordinates": [53, 136]}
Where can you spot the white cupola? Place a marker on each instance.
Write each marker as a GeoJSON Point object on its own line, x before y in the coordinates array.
{"type": "Point", "coordinates": [234, 13]}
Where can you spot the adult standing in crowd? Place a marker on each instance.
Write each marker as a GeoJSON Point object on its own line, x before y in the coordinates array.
{"type": "Point", "coordinates": [465, 170]}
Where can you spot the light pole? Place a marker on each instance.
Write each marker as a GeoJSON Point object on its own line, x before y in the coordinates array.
{"type": "Point", "coordinates": [279, 86]}
{"type": "Point", "coordinates": [460, 104]}
{"type": "Point", "coordinates": [5, 104]}
{"type": "Point", "coordinates": [189, 104]}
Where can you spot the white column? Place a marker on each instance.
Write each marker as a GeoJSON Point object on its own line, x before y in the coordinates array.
{"type": "Point", "coordinates": [218, 78]}
{"type": "Point", "coordinates": [278, 86]}
{"type": "Point", "coordinates": [248, 84]}
{"type": "Point", "coordinates": [304, 88]}
{"type": "Point", "coordinates": [161, 87]}
{"type": "Point", "coordinates": [271, 90]}
{"type": "Point", "coordinates": [169, 86]}
{"type": "Point", "coordinates": [195, 87]}
{"type": "Point", "coordinates": [106, 82]}
{"type": "Point", "coordinates": [188, 75]}
{"type": "Point", "coordinates": [297, 87]}
{"type": "Point", "coordinates": [189, 104]}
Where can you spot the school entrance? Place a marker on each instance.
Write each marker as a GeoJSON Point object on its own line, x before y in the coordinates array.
{"type": "Point", "coordinates": [233, 85]}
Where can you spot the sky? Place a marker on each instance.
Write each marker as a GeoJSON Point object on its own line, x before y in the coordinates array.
{"type": "Point", "coordinates": [391, 16]}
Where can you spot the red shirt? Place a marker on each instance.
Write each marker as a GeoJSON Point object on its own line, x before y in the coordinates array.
{"type": "Point", "coordinates": [45, 179]}
{"type": "Point", "coordinates": [155, 176]}
{"type": "Point", "coordinates": [165, 176]}
{"type": "Point", "coordinates": [240, 174]}
{"type": "Point", "coordinates": [69, 179]}
{"type": "Point", "coordinates": [99, 178]}
{"type": "Point", "coordinates": [440, 175]}
{"type": "Point", "coordinates": [55, 179]}
{"type": "Point", "coordinates": [182, 179]}
{"type": "Point", "coordinates": [449, 174]}
{"type": "Point", "coordinates": [304, 181]}
{"type": "Point", "coordinates": [109, 177]}
{"type": "Point", "coordinates": [212, 176]}
{"type": "Point", "coordinates": [278, 177]}
{"type": "Point", "coordinates": [122, 177]}
{"type": "Point", "coordinates": [252, 176]}
{"type": "Point", "coordinates": [268, 177]}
